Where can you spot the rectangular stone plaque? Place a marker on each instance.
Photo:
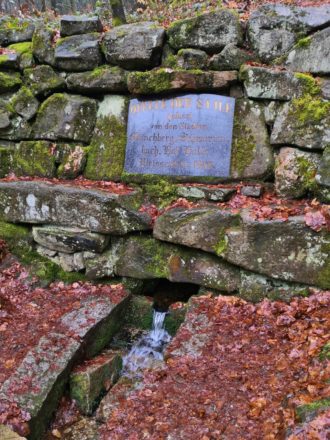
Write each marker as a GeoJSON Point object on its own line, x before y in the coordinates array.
{"type": "Point", "coordinates": [188, 135]}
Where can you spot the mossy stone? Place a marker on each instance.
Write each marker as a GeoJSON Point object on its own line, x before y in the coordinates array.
{"type": "Point", "coordinates": [24, 103]}
{"type": "Point", "coordinates": [43, 80]}
{"type": "Point", "coordinates": [106, 154]}
{"type": "Point", "coordinates": [33, 158]}
{"type": "Point", "coordinates": [9, 81]}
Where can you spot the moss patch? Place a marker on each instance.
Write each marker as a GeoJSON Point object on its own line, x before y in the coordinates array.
{"type": "Point", "coordinates": [152, 82]}
{"type": "Point", "coordinates": [308, 109]}
{"type": "Point", "coordinates": [304, 42]}
{"type": "Point", "coordinates": [243, 148]}
{"type": "Point", "coordinates": [309, 83]}
{"type": "Point", "coordinates": [325, 352]}
{"type": "Point", "coordinates": [34, 158]}
{"type": "Point", "coordinates": [21, 48]}
{"type": "Point", "coordinates": [309, 410]}
{"type": "Point", "coordinates": [160, 191]}
{"type": "Point", "coordinates": [9, 81]}
{"type": "Point", "coordinates": [307, 170]}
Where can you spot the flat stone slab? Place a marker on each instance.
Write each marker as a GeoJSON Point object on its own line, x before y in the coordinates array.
{"type": "Point", "coordinates": [69, 240]}
{"type": "Point", "coordinates": [103, 79]}
{"type": "Point", "coordinates": [39, 382]}
{"type": "Point", "coordinates": [169, 81]}
{"type": "Point", "coordinates": [204, 192]}
{"type": "Point", "coordinates": [79, 24]}
{"type": "Point", "coordinates": [46, 203]}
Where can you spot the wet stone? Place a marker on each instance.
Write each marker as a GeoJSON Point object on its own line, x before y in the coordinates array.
{"type": "Point", "coordinates": [79, 24]}
{"type": "Point", "coordinates": [78, 53]}
{"type": "Point", "coordinates": [69, 239]}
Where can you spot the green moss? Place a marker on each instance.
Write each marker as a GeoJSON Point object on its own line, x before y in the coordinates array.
{"type": "Point", "coordinates": [106, 155]}
{"type": "Point", "coordinates": [243, 148]}
{"type": "Point", "coordinates": [174, 319]}
{"type": "Point", "coordinates": [21, 99]}
{"type": "Point", "coordinates": [311, 409]}
{"type": "Point", "coordinates": [171, 61]}
{"type": "Point", "coordinates": [179, 30]}
{"type": "Point", "coordinates": [325, 352]}
{"type": "Point", "coordinates": [161, 191]}
{"type": "Point", "coordinates": [304, 42]}
{"type": "Point", "coordinates": [14, 24]}
{"type": "Point", "coordinates": [151, 82]}
{"type": "Point", "coordinates": [307, 170]}
{"type": "Point", "coordinates": [222, 244]}
{"type": "Point", "coordinates": [309, 83]}
{"type": "Point", "coordinates": [9, 81]}
{"type": "Point", "coordinates": [4, 161]}
{"type": "Point", "coordinates": [3, 59]}
{"type": "Point", "coordinates": [21, 47]}
{"type": "Point", "coordinates": [308, 109]}
{"type": "Point", "coordinates": [34, 158]}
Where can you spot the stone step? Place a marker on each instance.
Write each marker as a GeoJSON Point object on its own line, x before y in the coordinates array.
{"type": "Point", "coordinates": [38, 383]}
{"type": "Point", "coordinates": [41, 203]}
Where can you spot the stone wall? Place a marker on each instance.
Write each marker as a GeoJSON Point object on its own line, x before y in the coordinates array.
{"type": "Point", "coordinates": [63, 114]}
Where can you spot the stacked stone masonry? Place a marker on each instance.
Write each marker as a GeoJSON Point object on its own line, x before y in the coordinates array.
{"type": "Point", "coordinates": [63, 114]}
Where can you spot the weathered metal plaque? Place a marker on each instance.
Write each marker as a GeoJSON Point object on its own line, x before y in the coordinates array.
{"type": "Point", "coordinates": [188, 135]}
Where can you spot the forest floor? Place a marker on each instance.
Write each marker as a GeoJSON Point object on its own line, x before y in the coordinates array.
{"type": "Point", "coordinates": [235, 370]}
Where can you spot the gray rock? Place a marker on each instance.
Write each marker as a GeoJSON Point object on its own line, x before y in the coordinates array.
{"type": "Point", "coordinates": [45, 252]}
{"type": "Point", "coordinates": [252, 190]}
{"type": "Point", "coordinates": [325, 87]}
{"type": "Point", "coordinates": [295, 172]}
{"type": "Point", "coordinates": [79, 24]}
{"type": "Point", "coordinates": [305, 122]}
{"type": "Point", "coordinates": [204, 192]}
{"type": "Point", "coordinates": [271, 110]}
{"type": "Point", "coordinates": [4, 118]}
{"type": "Point", "coordinates": [134, 46]}
{"type": "Point", "coordinates": [201, 228]}
{"type": "Point", "coordinates": [15, 30]}
{"type": "Point", "coordinates": [39, 202]}
{"type": "Point", "coordinates": [274, 28]}
{"type": "Point", "coordinates": [18, 129]}
{"type": "Point", "coordinates": [104, 79]}
{"type": "Point", "coordinates": [43, 46]}
{"type": "Point", "coordinates": [78, 53]}
{"type": "Point", "coordinates": [43, 80]}
{"type": "Point", "coordinates": [165, 81]}
{"type": "Point", "coordinates": [69, 239]}
{"type": "Point", "coordinates": [281, 250]}
{"type": "Point", "coordinates": [192, 59]}
{"type": "Point", "coordinates": [67, 117]}
{"type": "Point", "coordinates": [230, 58]}
{"type": "Point", "coordinates": [44, 371]}
{"type": "Point", "coordinates": [9, 61]}
{"type": "Point", "coordinates": [255, 288]}
{"type": "Point", "coordinates": [145, 258]}
{"type": "Point", "coordinates": [89, 382]}
{"type": "Point", "coordinates": [210, 32]}
{"type": "Point", "coordinates": [107, 148]}
{"type": "Point", "coordinates": [70, 262]}
{"type": "Point", "coordinates": [24, 103]}
{"type": "Point", "coordinates": [72, 159]}
{"type": "Point", "coordinates": [312, 54]}
{"type": "Point", "coordinates": [103, 265]}
{"type": "Point", "coordinates": [9, 81]}
{"type": "Point", "coordinates": [252, 155]}
{"type": "Point", "coordinates": [24, 54]}
{"type": "Point", "coordinates": [323, 173]}
{"type": "Point", "coordinates": [265, 83]}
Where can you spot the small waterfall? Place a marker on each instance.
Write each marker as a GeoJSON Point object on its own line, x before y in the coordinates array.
{"type": "Point", "coordinates": [148, 350]}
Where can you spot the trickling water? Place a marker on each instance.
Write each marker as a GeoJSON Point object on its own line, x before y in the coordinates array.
{"type": "Point", "coordinates": [148, 350]}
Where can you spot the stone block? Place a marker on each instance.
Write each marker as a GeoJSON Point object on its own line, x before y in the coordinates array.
{"type": "Point", "coordinates": [79, 24]}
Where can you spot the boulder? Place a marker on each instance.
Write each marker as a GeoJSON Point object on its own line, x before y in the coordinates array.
{"type": "Point", "coordinates": [79, 24]}
{"type": "Point", "coordinates": [230, 58]}
{"type": "Point", "coordinates": [134, 46]}
{"type": "Point", "coordinates": [69, 239]}
{"type": "Point", "coordinates": [295, 172]}
{"type": "Point", "coordinates": [103, 79]}
{"type": "Point", "coordinates": [107, 148]}
{"type": "Point", "coordinates": [274, 28]}
{"type": "Point", "coordinates": [89, 381]}
{"type": "Point", "coordinates": [210, 32]}
{"type": "Point", "coordinates": [24, 103]}
{"type": "Point", "coordinates": [311, 54]}
{"type": "Point", "coordinates": [15, 30]}
{"type": "Point", "coordinates": [144, 257]}
{"type": "Point", "coordinates": [168, 81]}
{"type": "Point", "coordinates": [288, 250]}
{"type": "Point", "coordinates": [252, 155]}
{"type": "Point", "coordinates": [192, 59]}
{"type": "Point", "coordinates": [33, 158]}
{"type": "Point", "coordinates": [265, 83]}
{"type": "Point", "coordinates": [78, 53]}
{"type": "Point", "coordinates": [9, 81]}
{"type": "Point", "coordinates": [45, 203]}
{"type": "Point", "coordinates": [43, 46]}
{"type": "Point", "coordinates": [201, 228]}
{"type": "Point", "coordinates": [304, 122]}
{"type": "Point", "coordinates": [24, 52]}
{"type": "Point", "coordinates": [67, 117]}
{"type": "Point", "coordinates": [43, 80]}
{"type": "Point", "coordinates": [9, 61]}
